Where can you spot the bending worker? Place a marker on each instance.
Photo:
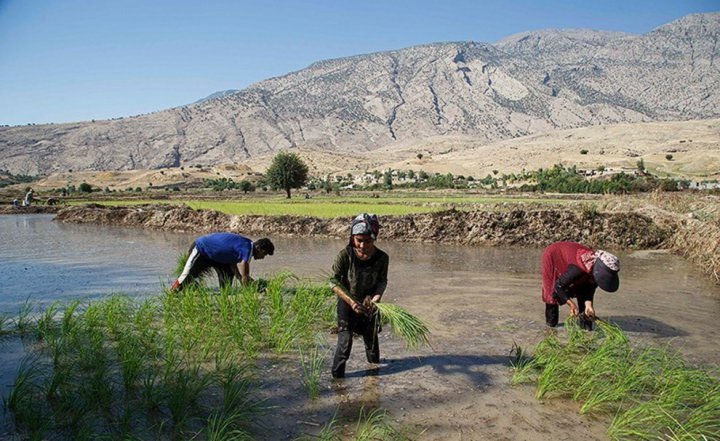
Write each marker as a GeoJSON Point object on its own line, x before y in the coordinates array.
{"type": "Point", "coordinates": [228, 253]}
{"type": "Point", "coordinates": [359, 280]}
{"type": "Point", "coordinates": [572, 270]}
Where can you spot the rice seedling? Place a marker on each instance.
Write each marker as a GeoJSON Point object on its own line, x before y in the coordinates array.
{"type": "Point", "coordinates": [237, 409]}
{"type": "Point", "coordinates": [250, 309]}
{"type": "Point", "coordinates": [403, 324]}
{"type": "Point", "coordinates": [117, 368]}
{"type": "Point", "coordinates": [151, 393]}
{"type": "Point", "coordinates": [130, 359]}
{"type": "Point", "coordinates": [25, 384]}
{"type": "Point", "coordinates": [181, 389]}
{"type": "Point", "coordinates": [651, 392]}
{"type": "Point", "coordinates": [22, 400]}
{"type": "Point", "coordinates": [282, 328]}
{"type": "Point", "coordinates": [5, 321]}
{"type": "Point", "coordinates": [180, 265]}
{"type": "Point", "coordinates": [329, 432]}
{"type": "Point", "coordinates": [375, 426]}
{"type": "Point", "coordinates": [24, 317]}
{"type": "Point", "coordinates": [314, 309]}
{"type": "Point", "coordinates": [46, 324]}
{"type": "Point", "coordinates": [522, 365]}
{"type": "Point", "coordinates": [225, 427]}
{"type": "Point", "coordinates": [312, 363]}
{"type": "Point", "coordinates": [70, 319]}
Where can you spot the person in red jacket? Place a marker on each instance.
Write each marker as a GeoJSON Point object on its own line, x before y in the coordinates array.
{"type": "Point", "coordinates": [573, 270]}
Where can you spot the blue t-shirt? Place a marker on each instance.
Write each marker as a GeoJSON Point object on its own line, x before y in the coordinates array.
{"type": "Point", "coordinates": [228, 248]}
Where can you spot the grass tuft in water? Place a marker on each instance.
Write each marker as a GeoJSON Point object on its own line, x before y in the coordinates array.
{"type": "Point", "coordinates": [169, 367]}
{"type": "Point", "coordinates": [313, 364]}
{"type": "Point", "coordinates": [651, 391]}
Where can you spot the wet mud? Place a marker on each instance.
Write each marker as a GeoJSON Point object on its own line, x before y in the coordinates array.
{"type": "Point", "coordinates": [479, 303]}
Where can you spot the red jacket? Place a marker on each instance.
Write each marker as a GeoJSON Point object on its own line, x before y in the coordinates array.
{"type": "Point", "coordinates": [572, 260]}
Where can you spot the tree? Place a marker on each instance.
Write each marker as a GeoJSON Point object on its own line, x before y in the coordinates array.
{"type": "Point", "coordinates": [387, 179]}
{"type": "Point", "coordinates": [246, 186]}
{"type": "Point", "coordinates": [669, 157]}
{"type": "Point", "coordinates": [85, 187]}
{"type": "Point", "coordinates": [419, 155]}
{"type": "Point", "coordinates": [287, 171]}
{"type": "Point", "coordinates": [641, 165]}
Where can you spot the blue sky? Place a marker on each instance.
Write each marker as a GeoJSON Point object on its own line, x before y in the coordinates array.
{"type": "Point", "coordinates": [74, 60]}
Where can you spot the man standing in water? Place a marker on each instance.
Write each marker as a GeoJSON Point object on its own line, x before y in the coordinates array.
{"type": "Point", "coordinates": [570, 269]}
{"type": "Point", "coordinates": [228, 253]}
{"type": "Point", "coordinates": [359, 280]}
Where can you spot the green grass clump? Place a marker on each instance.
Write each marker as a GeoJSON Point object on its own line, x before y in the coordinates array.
{"type": "Point", "coordinates": [180, 366]}
{"type": "Point", "coordinates": [403, 324]}
{"type": "Point", "coordinates": [652, 393]}
{"type": "Point", "coordinates": [370, 426]}
{"type": "Point", "coordinates": [313, 364]}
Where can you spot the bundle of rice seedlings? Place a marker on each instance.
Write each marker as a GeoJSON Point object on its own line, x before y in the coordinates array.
{"type": "Point", "coordinates": [404, 325]}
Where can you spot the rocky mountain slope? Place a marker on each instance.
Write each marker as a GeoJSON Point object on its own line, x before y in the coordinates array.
{"type": "Point", "coordinates": [525, 84]}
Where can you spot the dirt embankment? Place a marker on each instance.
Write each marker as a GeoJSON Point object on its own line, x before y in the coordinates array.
{"type": "Point", "coordinates": [515, 227]}
{"type": "Point", "coordinates": [33, 209]}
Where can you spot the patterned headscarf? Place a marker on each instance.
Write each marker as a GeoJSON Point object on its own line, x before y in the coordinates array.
{"type": "Point", "coordinates": [365, 224]}
{"type": "Point", "coordinates": [610, 260]}
{"type": "Point", "coordinates": [605, 271]}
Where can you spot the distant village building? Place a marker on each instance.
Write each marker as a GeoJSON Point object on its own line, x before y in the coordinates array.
{"type": "Point", "coordinates": [704, 185]}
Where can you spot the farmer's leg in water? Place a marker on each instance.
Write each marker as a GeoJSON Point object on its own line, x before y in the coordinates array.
{"type": "Point", "coordinates": [370, 337]}
{"type": "Point", "coordinates": [552, 314]}
{"type": "Point", "coordinates": [195, 265]}
{"type": "Point", "coordinates": [225, 274]}
{"type": "Point", "coordinates": [344, 343]}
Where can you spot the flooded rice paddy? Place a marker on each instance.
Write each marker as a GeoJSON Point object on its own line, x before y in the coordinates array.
{"type": "Point", "coordinates": [478, 303]}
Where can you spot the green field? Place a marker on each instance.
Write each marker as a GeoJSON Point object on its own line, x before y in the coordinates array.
{"type": "Point", "coordinates": [334, 206]}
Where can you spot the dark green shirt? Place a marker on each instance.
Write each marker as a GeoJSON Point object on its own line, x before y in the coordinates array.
{"type": "Point", "coordinates": [360, 278]}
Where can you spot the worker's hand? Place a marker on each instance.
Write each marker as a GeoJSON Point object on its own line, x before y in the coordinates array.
{"type": "Point", "coordinates": [573, 308]}
{"type": "Point", "coordinates": [589, 311]}
{"type": "Point", "coordinates": [369, 304]}
{"type": "Point", "coordinates": [358, 308]}
{"type": "Point", "coordinates": [247, 280]}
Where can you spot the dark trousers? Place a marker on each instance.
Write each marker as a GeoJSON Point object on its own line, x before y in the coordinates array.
{"type": "Point", "coordinates": [349, 323]}
{"type": "Point", "coordinates": [552, 312]}
{"type": "Point", "coordinates": [202, 264]}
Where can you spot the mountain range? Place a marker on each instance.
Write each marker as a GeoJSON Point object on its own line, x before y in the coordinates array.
{"type": "Point", "coordinates": [526, 84]}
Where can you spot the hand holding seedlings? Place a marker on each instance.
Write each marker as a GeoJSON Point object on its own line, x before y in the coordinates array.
{"type": "Point", "coordinates": [359, 308]}
{"type": "Point", "coordinates": [573, 308]}
{"type": "Point", "coordinates": [369, 305]}
{"type": "Point", "coordinates": [589, 311]}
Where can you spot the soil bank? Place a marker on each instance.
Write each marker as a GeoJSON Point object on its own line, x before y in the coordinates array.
{"type": "Point", "coordinates": [540, 227]}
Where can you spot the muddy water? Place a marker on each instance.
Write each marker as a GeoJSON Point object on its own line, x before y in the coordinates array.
{"type": "Point", "coordinates": [478, 302]}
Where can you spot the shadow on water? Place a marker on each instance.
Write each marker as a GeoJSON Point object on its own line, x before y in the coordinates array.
{"type": "Point", "coordinates": [442, 364]}
{"type": "Point", "coordinates": [649, 325]}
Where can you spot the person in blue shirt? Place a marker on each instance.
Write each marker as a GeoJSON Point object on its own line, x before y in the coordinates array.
{"type": "Point", "coordinates": [228, 253]}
